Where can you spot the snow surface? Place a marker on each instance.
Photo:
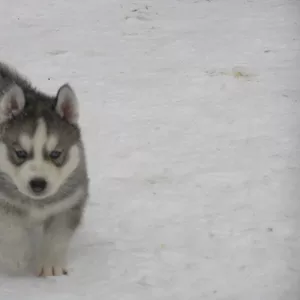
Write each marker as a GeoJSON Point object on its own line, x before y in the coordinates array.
{"type": "Point", "coordinates": [190, 113]}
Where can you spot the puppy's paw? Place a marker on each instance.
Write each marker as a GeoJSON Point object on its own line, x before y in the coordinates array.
{"type": "Point", "coordinates": [47, 271]}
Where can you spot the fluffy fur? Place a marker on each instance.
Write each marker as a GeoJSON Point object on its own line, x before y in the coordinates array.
{"type": "Point", "coordinates": [43, 176]}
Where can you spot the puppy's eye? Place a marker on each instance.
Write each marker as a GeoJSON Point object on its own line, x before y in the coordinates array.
{"type": "Point", "coordinates": [21, 154]}
{"type": "Point", "coordinates": [55, 154]}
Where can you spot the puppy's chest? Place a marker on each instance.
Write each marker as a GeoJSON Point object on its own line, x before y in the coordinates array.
{"type": "Point", "coordinates": [26, 215]}
{"type": "Point", "coordinates": [32, 213]}
{"type": "Point", "coordinates": [40, 214]}
{"type": "Point", "coordinates": [35, 215]}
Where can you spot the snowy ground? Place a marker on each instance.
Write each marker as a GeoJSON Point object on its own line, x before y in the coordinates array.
{"type": "Point", "coordinates": [190, 112]}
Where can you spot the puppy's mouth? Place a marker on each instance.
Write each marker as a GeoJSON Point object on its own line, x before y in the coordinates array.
{"type": "Point", "coordinates": [37, 196]}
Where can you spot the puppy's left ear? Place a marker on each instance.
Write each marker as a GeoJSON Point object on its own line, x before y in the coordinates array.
{"type": "Point", "coordinates": [67, 104]}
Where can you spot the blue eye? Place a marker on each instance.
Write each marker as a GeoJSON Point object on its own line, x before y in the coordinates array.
{"type": "Point", "coordinates": [54, 154]}
{"type": "Point", "coordinates": [21, 154]}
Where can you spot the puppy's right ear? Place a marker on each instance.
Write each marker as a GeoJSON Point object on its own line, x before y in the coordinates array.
{"type": "Point", "coordinates": [12, 103]}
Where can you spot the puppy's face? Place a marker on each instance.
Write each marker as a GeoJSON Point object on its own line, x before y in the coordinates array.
{"type": "Point", "coordinates": [39, 150]}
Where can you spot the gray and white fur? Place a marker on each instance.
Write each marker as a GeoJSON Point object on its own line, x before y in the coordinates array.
{"type": "Point", "coordinates": [43, 174]}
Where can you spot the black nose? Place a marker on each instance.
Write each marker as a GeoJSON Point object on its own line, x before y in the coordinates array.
{"type": "Point", "coordinates": [38, 185]}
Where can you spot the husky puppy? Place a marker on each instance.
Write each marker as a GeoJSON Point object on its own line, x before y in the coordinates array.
{"type": "Point", "coordinates": [43, 175]}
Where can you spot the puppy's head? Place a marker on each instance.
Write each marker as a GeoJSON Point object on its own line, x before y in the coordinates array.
{"type": "Point", "coordinates": [39, 143]}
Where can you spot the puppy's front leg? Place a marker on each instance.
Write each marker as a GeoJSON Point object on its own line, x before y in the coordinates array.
{"type": "Point", "coordinates": [58, 231]}
{"type": "Point", "coordinates": [15, 250]}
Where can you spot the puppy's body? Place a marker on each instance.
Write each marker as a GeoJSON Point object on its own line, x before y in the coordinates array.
{"type": "Point", "coordinates": [43, 176]}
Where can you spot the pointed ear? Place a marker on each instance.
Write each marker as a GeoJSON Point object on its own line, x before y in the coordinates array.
{"type": "Point", "coordinates": [67, 104]}
{"type": "Point", "coordinates": [12, 103]}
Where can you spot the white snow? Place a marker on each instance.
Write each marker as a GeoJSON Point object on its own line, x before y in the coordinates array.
{"type": "Point", "coordinates": [190, 113]}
